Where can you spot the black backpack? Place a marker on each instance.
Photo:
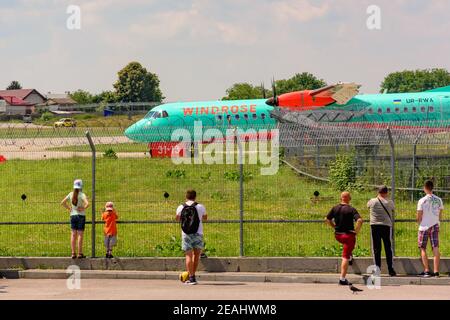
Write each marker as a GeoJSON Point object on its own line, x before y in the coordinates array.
{"type": "Point", "coordinates": [189, 218]}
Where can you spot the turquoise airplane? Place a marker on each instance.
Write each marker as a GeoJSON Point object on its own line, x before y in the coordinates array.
{"type": "Point", "coordinates": [334, 103]}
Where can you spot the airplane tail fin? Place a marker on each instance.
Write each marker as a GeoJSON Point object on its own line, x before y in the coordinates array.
{"type": "Point", "coordinates": [441, 89]}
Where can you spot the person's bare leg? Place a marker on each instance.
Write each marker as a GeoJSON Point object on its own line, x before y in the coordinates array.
{"type": "Point", "coordinates": [436, 259]}
{"type": "Point", "coordinates": [344, 268]}
{"type": "Point", "coordinates": [197, 253]}
{"type": "Point", "coordinates": [189, 263]}
{"type": "Point", "coordinates": [80, 242]}
{"type": "Point", "coordinates": [423, 255]}
{"type": "Point", "coordinates": [73, 238]}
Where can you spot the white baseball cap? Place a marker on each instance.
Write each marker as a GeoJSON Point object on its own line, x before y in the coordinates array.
{"type": "Point", "coordinates": [109, 206]}
{"type": "Point", "coordinates": [78, 184]}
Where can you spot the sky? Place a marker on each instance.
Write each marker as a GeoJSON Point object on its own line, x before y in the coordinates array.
{"type": "Point", "coordinates": [199, 48]}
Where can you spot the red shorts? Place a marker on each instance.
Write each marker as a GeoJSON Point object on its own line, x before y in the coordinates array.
{"type": "Point", "coordinates": [349, 241]}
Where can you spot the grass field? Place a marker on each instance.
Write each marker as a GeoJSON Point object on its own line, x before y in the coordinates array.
{"type": "Point", "coordinates": [137, 186]}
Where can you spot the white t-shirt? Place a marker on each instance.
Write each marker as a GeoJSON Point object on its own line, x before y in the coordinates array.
{"type": "Point", "coordinates": [201, 212]}
{"type": "Point", "coordinates": [431, 206]}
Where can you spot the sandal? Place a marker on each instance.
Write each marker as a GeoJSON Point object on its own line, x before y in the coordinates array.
{"type": "Point", "coordinates": [74, 256]}
{"type": "Point", "coordinates": [81, 256]}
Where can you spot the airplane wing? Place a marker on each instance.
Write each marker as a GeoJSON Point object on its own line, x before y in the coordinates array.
{"type": "Point", "coordinates": [341, 92]}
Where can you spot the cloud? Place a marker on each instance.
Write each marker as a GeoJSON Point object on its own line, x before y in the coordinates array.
{"type": "Point", "coordinates": [301, 10]}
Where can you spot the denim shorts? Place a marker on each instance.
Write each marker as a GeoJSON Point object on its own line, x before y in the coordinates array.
{"type": "Point", "coordinates": [192, 241]}
{"type": "Point", "coordinates": [77, 222]}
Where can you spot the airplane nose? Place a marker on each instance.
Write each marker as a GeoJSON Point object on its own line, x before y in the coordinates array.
{"type": "Point", "coordinates": [130, 132]}
{"type": "Point", "coordinates": [272, 102]}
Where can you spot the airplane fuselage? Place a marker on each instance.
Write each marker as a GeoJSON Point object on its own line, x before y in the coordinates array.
{"type": "Point", "coordinates": [159, 124]}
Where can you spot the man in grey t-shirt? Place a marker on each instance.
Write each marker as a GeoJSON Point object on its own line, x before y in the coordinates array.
{"type": "Point", "coordinates": [381, 217]}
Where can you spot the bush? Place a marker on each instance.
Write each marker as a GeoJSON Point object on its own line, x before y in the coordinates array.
{"type": "Point", "coordinates": [110, 154]}
{"type": "Point", "coordinates": [343, 172]}
{"type": "Point", "coordinates": [235, 175]}
{"type": "Point", "coordinates": [177, 173]}
{"type": "Point", "coordinates": [46, 116]}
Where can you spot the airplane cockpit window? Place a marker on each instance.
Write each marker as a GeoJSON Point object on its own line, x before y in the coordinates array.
{"type": "Point", "coordinates": [153, 115]}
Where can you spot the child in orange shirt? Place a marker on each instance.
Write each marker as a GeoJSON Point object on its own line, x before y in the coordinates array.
{"type": "Point", "coordinates": [110, 217]}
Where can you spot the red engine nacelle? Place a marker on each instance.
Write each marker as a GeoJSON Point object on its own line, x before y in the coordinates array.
{"type": "Point", "coordinates": [300, 100]}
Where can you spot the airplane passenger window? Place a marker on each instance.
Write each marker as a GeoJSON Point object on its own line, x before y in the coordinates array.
{"type": "Point", "coordinates": [370, 111]}
{"type": "Point", "coordinates": [219, 117]}
{"type": "Point", "coordinates": [229, 118]}
{"type": "Point", "coordinates": [405, 110]}
{"type": "Point", "coordinates": [388, 110]}
{"type": "Point", "coordinates": [414, 109]}
{"type": "Point", "coordinates": [380, 111]}
{"type": "Point", "coordinates": [237, 117]}
{"type": "Point", "coordinates": [246, 116]}
{"type": "Point", "coordinates": [254, 116]}
{"type": "Point", "coordinates": [263, 115]}
{"type": "Point", "coordinates": [430, 109]}
{"type": "Point", "coordinates": [422, 109]}
{"type": "Point", "coordinates": [272, 116]}
{"type": "Point", "coordinates": [397, 110]}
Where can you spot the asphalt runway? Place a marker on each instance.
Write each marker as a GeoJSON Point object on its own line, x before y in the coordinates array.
{"type": "Point", "coordinates": [92, 289]}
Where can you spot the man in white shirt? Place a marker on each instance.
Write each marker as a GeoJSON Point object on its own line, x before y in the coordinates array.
{"type": "Point", "coordinates": [429, 214]}
{"type": "Point", "coordinates": [192, 240]}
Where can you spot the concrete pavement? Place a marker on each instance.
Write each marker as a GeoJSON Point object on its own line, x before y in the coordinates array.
{"type": "Point", "coordinates": [104, 289]}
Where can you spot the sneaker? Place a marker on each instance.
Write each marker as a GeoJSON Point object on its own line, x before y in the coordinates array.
{"type": "Point", "coordinates": [191, 281]}
{"type": "Point", "coordinates": [344, 282]}
{"type": "Point", "coordinates": [203, 256]}
{"type": "Point", "coordinates": [436, 274]}
{"type": "Point", "coordinates": [392, 273]}
{"type": "Point", "coordinates": [426, 274]}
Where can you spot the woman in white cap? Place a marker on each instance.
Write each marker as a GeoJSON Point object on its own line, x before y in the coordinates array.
{"type": "Point", "coordinates": [76, 203]}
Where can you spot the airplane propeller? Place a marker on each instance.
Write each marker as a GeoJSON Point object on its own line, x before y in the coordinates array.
{"type": "Point", "coordinates": [274, 100]}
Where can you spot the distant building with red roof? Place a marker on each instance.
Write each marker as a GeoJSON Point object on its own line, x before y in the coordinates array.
{"type": "Point", "coordinates": [20, 102]}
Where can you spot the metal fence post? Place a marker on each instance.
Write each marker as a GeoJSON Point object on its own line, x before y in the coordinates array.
{"type": "Point", "coordinates": [91, 143]}
{"type": "Point", "coordinates": [391, 142]}
{"type": "Point", "coordinates": [241, 195]}
{"type": "Point", "coordinates": [413, 175]}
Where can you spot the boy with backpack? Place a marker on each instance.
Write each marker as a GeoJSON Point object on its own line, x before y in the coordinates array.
{"type": "Point", "coordinates": [191, 215]}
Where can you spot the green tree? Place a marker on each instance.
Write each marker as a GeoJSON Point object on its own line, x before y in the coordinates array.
{"type": "Point", "coordinates": [245, 91]}
{"type": "Point", "coordinates": [81, 96]}
{"type": "Point", "coordinates": [415, 80]}
{"type": "Point", "coordinates": [136, 84]}
{"type": "Point", "coordinates": [14, 85]}
{"type": "Point", "coordinates": [105, 96]}
{"type": "Point", "coordinates": [300, 81]}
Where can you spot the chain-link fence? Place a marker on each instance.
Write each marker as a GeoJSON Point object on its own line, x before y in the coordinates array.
{"type": "Point", "coordinates": [249, 213]}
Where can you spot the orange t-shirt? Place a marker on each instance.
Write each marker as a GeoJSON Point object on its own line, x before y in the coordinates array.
{"type": "Point", "coordinates": [110, 218]}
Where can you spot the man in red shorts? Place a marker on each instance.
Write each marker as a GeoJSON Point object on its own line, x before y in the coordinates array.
{"type": "Point", "coordinates": [341, 218]}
